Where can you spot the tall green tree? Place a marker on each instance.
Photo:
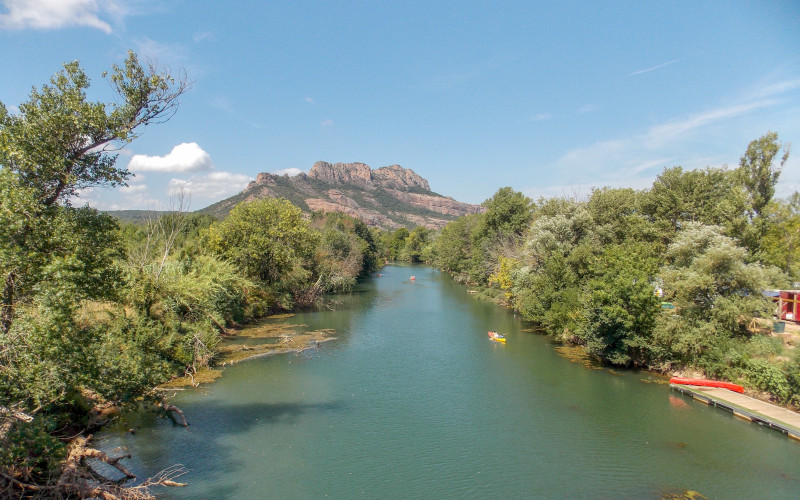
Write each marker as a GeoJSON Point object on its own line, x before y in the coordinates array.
{"type": "Point", "coordinates": [759, 173]}
{"type": "Point", "coordinates": [553, 264]}
{"type": "Point", "coordinates": [508, 215]}
{"type": "Point", "coordinates": [61, 142]}
{"type": "Point", "coordinates": [272, 242]}
{"type": "Point", "coordinates": [347, 250]}
{"type": "Point", "coordinates": [395, 242]}
{"type": "Point", "coordinates": [415, 244]}
{"type": "Point", "coordinates": [618, 216]}
{"type": "Point", "coordinates": [508, 212]}
{"type": "Point", "coordinates": [453, 247]}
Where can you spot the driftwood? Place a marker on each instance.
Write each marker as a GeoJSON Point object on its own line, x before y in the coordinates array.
{"type": "Point", "coordinates": [170, 409]}
{"type": "Point", "coordinates": [78, 480]}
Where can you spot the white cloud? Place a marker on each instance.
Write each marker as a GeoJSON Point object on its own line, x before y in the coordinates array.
{"type": "Point", "coordinates": [53, 14]}
{"type": "Point", "coordinates": [668, 131]}
{"type": "Point", "coordinates": [327, 122]}
{"type": "Point", "coordinates": [587, 108]}
{"type": "Point", "coordinates": [541, 117]}
{"type": "Point", "coordinates": [777, 88]}
{"type": "Point", "coordinates": [186, 157]}
{"type": "Point", "coordinates": [132, 197]}
{"type": "Point", "coordinates": [133, 188]}
{"type": "Point", "coordinates": [291, 172]}
{"type": "Point", "coordinates": [214, 186]}
{"type": "Point", "coordinates": [639, 72]}
{"type": "Point", "coordinates": [309, 100]}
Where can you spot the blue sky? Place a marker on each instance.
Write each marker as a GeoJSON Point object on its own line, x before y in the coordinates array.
{"type": "Point", "coordinates": [550, 98]}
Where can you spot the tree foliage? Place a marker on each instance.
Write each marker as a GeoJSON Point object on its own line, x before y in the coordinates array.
{"type": "Point", "coordinates": [621, 305]}
{"type": "Point", "coordinates": [780, 245]}
{"type": "Point", "coordinates": [55, 259]}
{"type": "Point", "coordinates": [267, 238]}
{"type": "Point", "coordinates": [759, 173]}
{"type": "Point", "coordinates": [60, 143]}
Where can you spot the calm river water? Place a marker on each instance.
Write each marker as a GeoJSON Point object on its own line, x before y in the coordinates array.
{"type": "Point", "coordinates": [414, 401]}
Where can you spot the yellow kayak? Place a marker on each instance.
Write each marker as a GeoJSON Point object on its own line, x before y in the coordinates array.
{"type": "Point", "coordinates": [497, 337]}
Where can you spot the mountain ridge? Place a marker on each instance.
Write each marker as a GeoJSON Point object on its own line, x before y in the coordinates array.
{"type": "Point", "coordinates": [389, 197]}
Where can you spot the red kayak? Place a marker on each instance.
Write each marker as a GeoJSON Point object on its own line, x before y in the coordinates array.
{"type": "Point", "coordinates": [706, 383]}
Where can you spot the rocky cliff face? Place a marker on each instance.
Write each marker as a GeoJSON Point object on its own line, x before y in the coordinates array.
{"type": "Point", "coordinates": [356, 174]}
{"type": "Point", "coordinates": [397, 177]}
{"type": "Point", "coordinates": [440, 204]}
{"type": "Point", "coordinates": [388, 197]}
{"type": "Point", "coordinates": [359, 174]}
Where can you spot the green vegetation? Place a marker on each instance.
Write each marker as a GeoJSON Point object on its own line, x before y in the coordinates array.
{"type": "Point", "coordinates": [594, 273]}
{"type": "Point", "coordinates": [96, 313]}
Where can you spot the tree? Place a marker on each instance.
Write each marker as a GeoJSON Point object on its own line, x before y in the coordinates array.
{"type": "Point", "coordinates": [713, 196]}
{"type": "Point", "coordinates": [716, 292]}
{"type": "Point", "coordinates": [758, 172]}
{"type": "Point", "coordinates": [60, 143]}
{"type": "Point", "coordinates": [549, 294]}
{"type": "Point", "coordinates": [759, 175]}
{"type": "Point", "coordinates": [270, 240]}
{"type": "Point", "coordinates": [396, 242]}
{"type": "Point", "coordinates": [618, 216]}
{"type": "Point", "coordinates": [547, 284]}
{"type": "Point", "coordinates": [453, 247]}
{"type": "Point", "coordinates": [347, 250]}
{"type": "Point", "coordinates": [508, 215]}
{"type": "Point", "coordinates": [508, 212]}
{"type": "Point", "coordinates": [621, 305]}
{"type": "Point", "coordinates": [415, 243]}
{"type": "Point", "coordinates": [52, 258]}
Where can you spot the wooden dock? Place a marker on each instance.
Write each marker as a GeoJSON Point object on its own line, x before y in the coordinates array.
{"type": "Point", "coordinates": [745, 407]}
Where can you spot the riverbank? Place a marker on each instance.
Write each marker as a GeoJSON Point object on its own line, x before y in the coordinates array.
{"type": "Point", "coordinates": [265, 337]}
{"type": "Point", "coordinates": [787, 341]}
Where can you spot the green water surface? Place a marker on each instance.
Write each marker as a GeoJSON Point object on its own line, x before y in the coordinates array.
{"type": "Point", "coordinates": [414, 401]}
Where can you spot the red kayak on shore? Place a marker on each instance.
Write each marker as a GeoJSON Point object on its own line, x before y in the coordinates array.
{"type": "Point", "coordinates": [706, 383]}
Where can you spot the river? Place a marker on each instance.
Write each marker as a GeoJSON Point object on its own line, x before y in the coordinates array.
{"type": "Point", "coordinates": [412, 400]}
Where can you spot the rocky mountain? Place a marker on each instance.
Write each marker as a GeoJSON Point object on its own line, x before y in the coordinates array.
{"type": "Point", "coordinates": [388, 197]}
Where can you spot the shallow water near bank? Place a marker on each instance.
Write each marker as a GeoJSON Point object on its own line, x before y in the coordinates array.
{"type": "Point", "coordinates": [412, 400]}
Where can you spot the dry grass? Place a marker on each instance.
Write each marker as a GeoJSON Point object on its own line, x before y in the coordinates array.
{"type": "Point", "coordinates": [203, 376]}
{"type": "Point", "coordinates": [288, 341]}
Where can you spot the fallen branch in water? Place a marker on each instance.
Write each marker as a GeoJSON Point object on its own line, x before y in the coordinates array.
{"type": "Point", "coordinates": [174, 409]}
{"type": "Point", "coordinates": [77, 480]}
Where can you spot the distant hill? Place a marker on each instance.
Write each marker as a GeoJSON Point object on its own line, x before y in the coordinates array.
{"type": "Point", "coordinates": [388, 197]}
{"type": "Point", "coordinates": [135, 216]}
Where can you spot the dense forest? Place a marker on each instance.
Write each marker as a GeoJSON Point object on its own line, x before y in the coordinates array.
{"type": "Point", "coordinates": [96, 313]}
